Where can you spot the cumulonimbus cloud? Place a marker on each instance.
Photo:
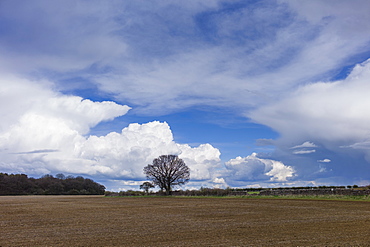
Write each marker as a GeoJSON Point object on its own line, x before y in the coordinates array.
{"type": "Point", "coordinates": [334, 114]}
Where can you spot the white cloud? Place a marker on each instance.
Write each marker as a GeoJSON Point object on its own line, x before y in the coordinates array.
{"type": "Point", "coordinates": [254, 168]}
{"type": "Point", "coordinates": [304, 151]}
{"type": "Point", "coordinates": [48, 120]}
{"type": "Point", "coordinates": [333, 114]}
{"type": "Point", "coordinates": [304, 148]}
{"type": "Point", "coordinates": [116, 155]}
{"type": "Point", "coordinates": [19, 95]}
{"type": "Point", "coordinates": [48, 132]}
{"type": "Point", "coordinates": [129, 49]}
{"type": "Point", "coordinates": [26, 100]}
{"type": "Point", "coordinates": [202, 160]}
{"type": "Point", "coordinates": [279, 171]}
{"type": "Point", "coordinates": [125, 154]}
{"type": "Point", "coordinates": [42, 129]}
{"type": "Point", "coordinates": [324, 161]}
{"type": "Point", "coordinates": [305, 145]}
{"type": "Point", "coordinates": [219, 181]}
{"type": "Point", "coordinates": [365, 145]}
{"type": "Point", "coordinates": [199, 75]}
{"type": "Point", "coordinates": [50, 135]}
{"type": "Point", "coordinates": [341, 27]}
{"type": "Point", "coordinates": [331, 111]}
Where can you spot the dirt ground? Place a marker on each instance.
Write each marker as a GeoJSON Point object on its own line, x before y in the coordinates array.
{"type": "Point", "coordinates": [176, 221]}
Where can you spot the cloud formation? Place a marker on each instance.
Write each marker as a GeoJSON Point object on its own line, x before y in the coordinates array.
{"type": "Point", "coordinates": [272, 62]}
{"type": "Point", "coordinates": [50, 133]}
{"type": "Point", "coordinates": [330, 113]}
{"type": "Point", "coordinates": [125, 154]}
{"type": "Point", "coordinates": [304, 151]}
{"type": "Point", "coordinates": [160, 57]}
{"type": "Point", "coordinates": [305, 145]}
{"type": "Point", "coordinates": [324, 161]}
{"type": "Point", "coordinates": [251, 168]}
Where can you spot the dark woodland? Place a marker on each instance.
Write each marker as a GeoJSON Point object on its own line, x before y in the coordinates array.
{"type": "Point", "coordinates": [21, 184]}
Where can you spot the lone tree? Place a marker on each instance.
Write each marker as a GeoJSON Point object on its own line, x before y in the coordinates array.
{"type": "Point", "coordinates": [146, 186]}
{"type": "Point", "coordinates": [167, 171]}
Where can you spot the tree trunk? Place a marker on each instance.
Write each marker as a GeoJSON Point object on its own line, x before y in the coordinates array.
{"type": "Point", "coordinates": [168, 189]}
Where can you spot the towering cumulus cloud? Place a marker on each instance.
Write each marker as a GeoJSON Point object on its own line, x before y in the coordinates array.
{"type": "Point", "coordinates": [48, 132]}
{"type": "Point", "coordinates": [40, 125]}
{"type": "Point", "coordinates": [123, 155]}
{"type": "Point", "coordinates": [251, 168]}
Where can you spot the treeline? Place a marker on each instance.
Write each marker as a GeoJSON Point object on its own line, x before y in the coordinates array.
{"type": "Point", "coordinates": [348, 190]}
{"type": "Point", "coordinates": [323, 187]}
{"type": "Point", "coordinates": [201, 192]}
{"type": "Point", "coordinates": [21, 184]}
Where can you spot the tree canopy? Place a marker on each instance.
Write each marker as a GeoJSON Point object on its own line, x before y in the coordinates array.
{"type": "Point", "coordinates": [167, 171]}
{"type": "Point", "coordinates": [146, 186]}
{"type": "Point", "coordinates": [21, 184]}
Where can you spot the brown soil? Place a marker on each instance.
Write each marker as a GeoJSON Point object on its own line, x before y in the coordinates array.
{"type": "Point", "coordinates": [176, 221]}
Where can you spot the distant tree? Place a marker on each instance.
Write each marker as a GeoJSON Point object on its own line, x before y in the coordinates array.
{"type": "Point", "coordinates": [146, 186]}
{"type": "Point", "coordinates": [167, 171]}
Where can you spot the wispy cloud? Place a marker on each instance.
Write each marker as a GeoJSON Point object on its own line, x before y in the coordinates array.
{"type": "Point", "coordinates": [171, 58]}
{"type": "Point", "coordinates": [305, 145]}
{"type": "Point", "coordinates": [365, 145]}
{"type": "Point", "coordinates": [41, 151]}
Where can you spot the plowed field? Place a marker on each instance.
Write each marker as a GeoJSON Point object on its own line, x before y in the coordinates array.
{"type": "Point", "coordinates": [176, 221]}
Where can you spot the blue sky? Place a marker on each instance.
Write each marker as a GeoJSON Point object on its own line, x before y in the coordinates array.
{"type": "Point", "coordinates": [248, 93]}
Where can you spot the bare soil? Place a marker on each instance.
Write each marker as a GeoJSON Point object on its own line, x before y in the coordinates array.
{"type": "Point", "coordinates": [177, 221]}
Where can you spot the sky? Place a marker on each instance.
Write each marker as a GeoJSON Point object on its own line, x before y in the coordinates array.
{"type": "Point", "coordinates": [248, 93]}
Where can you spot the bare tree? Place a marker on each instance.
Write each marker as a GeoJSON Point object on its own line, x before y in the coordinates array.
{"type": "Point", "coordinates": [146, 186]}
{"type": "Point", "coordinates": [167, 171]}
